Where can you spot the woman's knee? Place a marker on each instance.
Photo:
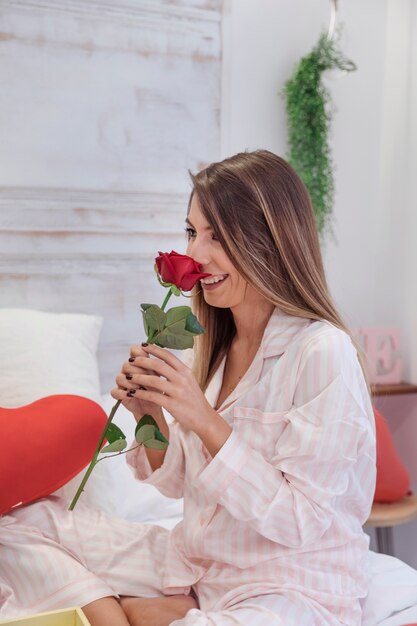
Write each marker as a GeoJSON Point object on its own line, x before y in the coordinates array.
{"type": "Point", "coordinates": [159, 611]}
{"type": "Point", "coordinates": [105, 612]}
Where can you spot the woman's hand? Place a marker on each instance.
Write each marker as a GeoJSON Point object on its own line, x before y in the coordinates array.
{"type": "Point", "coordinates": [127, 386]}
{"type": "Point", "coordinates": [171, 384]}
{"type": "Point", "coordinates": [127, 391]}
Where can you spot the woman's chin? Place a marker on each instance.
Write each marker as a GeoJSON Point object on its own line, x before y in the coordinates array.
{"type": "Point", "coordinates": [219, 303]}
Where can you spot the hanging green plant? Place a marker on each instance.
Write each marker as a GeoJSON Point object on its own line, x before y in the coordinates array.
{"type": "Point", "coordinates": [309, 115]}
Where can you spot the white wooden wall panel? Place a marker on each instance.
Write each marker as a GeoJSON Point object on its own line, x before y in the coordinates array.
{"type": "Point", "coordinates": [104, 107]}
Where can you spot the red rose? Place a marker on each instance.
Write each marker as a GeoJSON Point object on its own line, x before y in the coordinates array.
{"type": "Point", "coordinates": [179, 269]}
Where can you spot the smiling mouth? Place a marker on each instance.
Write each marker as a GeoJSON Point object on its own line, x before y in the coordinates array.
{"type": "Point", "coordinates": [213, 281]}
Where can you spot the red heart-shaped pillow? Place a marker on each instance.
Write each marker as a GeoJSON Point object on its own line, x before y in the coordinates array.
{"type": "Point", "coordinates": [392, 479]}
{"type": "Point", "coordinates": [45, 444]}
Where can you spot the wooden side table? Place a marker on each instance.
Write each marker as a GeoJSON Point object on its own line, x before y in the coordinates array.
{"type": "Point", "coordinates": [393, 389]}
{"type": "Point", "coordinates": [386, 515]}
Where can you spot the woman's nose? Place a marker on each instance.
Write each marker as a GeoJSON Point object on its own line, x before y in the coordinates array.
{"type": "Point", "coordinates": [198, 252]}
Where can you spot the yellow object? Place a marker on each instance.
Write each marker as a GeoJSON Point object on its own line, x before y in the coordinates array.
{"type": "Point", "coordinates": [65, 617]}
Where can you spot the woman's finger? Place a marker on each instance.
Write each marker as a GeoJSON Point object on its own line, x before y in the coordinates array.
{"type": "Point", "coordinates": [118, 393]}
{"type": "Point", "coordinates": [127, 383]}
{"type": "Point", "coordinates": [137, 350]}
{"type": "Point", "coordinates": [131, 368]}
{"type": "Point", "coordinates": [155, 397]}
{"type": "Point", "coordinates": [123, 383]}
{"type": "Point", "coordinates": [166, 356]}
{"type": "Point", "coordinates": [151, 382]}
{"type": "Point", "coordinates": [157, 366]}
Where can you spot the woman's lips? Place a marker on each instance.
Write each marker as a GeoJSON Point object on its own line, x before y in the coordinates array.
{"type": "Point", "coordinates": [213, 286]}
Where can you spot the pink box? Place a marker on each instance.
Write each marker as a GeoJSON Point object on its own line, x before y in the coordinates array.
{"type": "Point", "coordinates": [382, 350]}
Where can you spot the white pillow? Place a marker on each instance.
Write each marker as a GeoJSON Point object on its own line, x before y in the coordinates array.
{"type": "Point", "coordinates": [42, 354]}
{"type": "Point", "coordinates": [113, 487]}
{"type": "Point", "coordinates": [392, 588]}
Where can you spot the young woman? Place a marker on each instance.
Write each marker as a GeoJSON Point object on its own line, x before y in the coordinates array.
{"type": "Point", "coordinates": [272, 446]}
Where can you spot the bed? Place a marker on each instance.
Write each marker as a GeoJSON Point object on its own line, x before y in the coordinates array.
{"type": "Point", "coordinates": [47, 353]}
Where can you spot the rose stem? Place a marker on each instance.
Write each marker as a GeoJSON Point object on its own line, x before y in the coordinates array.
{"type": "Point", "coordinates": [94, 459]}
{"type": "Point", "coordinates": [167, 297]}
{"type": "Point", "coordinates": [103, 434]}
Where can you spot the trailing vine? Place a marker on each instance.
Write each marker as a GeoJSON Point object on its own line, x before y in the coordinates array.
{"type": "Point", "coordinates": [309, 115]}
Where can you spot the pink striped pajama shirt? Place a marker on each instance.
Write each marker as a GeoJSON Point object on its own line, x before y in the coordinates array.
{"type": "Point", "coordinates": [272, 530]}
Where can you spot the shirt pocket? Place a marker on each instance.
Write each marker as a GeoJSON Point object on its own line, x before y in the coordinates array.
{"type": "Point", "coordinates": [260, 429]}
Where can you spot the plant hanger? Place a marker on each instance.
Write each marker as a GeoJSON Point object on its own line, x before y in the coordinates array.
{"type": "Point", "coordinates": [333, 19]}
{"type": "Point", "coordinates": [348, 66]}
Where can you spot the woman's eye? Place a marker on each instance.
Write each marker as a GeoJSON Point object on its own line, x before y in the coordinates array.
{"type": "Point", "coordinates": [190, 232]}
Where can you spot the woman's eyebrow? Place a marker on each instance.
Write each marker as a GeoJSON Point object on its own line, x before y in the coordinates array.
{"type": "Point", "coordinates": [205, 228]}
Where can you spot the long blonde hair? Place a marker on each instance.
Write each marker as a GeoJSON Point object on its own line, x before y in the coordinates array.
{"type": "Point", "coordinates": [260, 211]}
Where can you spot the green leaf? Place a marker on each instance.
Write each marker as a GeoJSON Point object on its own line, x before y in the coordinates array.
{"type": "Point", "coordinates": [148, 433]}
{"type": "Point", "coordinates": [113, 433]}
{"type": "Point", "coordinates": [176, 314]}
{"type": "Point", "coordinates": [117, 446]}
{"type": "Point", "coordinates": [309, 117]}
{"type": "Point", "coordinates": [193, 325]}
{"type": "Point", "coordinates": [160, 436]}
{"type": "Point", "coordinates": [145, 325]}
{"type": "Point", "coordinates": [145, 306]}
{"type": "Point", "coordinates": [156, 444]}
{"type": "Point", "coordinates": [145, 432]}
{"type": "Point", "coordinates": [176, 337]}
{"type": "Point", "coordinates": [155, 317]}
{"type": "Point", "coordinates": [146, 419]}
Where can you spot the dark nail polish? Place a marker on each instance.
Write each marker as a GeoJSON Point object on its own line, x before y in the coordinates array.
{"type": "Point", "coordinates": [132, 392]}
{"type": "Point", "coordinates": [129, 376]}
{"type": "Point", "coordinates": [131, 359]}
{"type": "Point", "coordinates": [144, 344]}
{"type": "Point", "coordinates": [129, 394]}
{"type": "Point", "coordinates": [144, 388]}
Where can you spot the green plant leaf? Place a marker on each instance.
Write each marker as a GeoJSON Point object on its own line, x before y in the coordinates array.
{"type": "Point", "coordinates": [193, 325]}
{"type": "Point", "coordinates": [176, 314]}
{"type": "Point", "coordinates": [309, 115]}
{"type": "Point", "coordinates": [176, 337]}
{"type": "Point", "coordinates": [145, 325]}
{"type": "Point", "coordinates": [146, 419]}
{"type": "Point", "coordinates": [155, 317]}
{"type": "Point", "coordinates": [145, 306]}
{"type": "Point", "coordinates": [160, 436]}
{"type": "Point", "coordinates": [156, 444]}
{"type": "Point", "coordinates": [117, 446]}
{"type": "Point", "coordinates": [114, 433]}
{"type": "Point", "coordinates": [145, 432]}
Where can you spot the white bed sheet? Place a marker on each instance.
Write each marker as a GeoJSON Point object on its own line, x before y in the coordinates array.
{"type": "Point", "coordinates": [392, 597]}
